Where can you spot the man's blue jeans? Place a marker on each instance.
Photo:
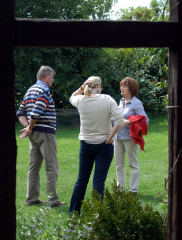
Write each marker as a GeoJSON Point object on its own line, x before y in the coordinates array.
{"type": "Point", "coordinates": [102, 154]}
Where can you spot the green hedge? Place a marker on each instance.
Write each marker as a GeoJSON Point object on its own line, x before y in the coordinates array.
{"type": "Point", "coordinates": [120, 216]}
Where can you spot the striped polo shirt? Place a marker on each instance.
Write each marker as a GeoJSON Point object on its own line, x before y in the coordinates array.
{"type": "Point", "coordinates": [38, 104]}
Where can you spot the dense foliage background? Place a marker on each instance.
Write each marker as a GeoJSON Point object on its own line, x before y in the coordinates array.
{"type": "Point", "coordinates": [73, 65]}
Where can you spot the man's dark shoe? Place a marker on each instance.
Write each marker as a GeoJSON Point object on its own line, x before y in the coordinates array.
{"type": "Point", "coordinates": [58, 204]}
{"type": "Point", "coordinates": [37, 202]}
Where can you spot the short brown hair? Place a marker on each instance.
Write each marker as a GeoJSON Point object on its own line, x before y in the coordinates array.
{"type": "Point", "coordinates": [132, 84]}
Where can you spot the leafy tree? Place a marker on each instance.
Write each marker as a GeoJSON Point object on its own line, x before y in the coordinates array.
{"type": "Point", "coordinates": [147, 65]}
{"type": "Point", "coordinates": [64, 9]}
{"type": "Point", "coordinates": [156, 12]}
{"type": "Point", "coordinates": [72, 65]}
{"type": "Point", "coordinates": [136, 14]}
{"type": "Point", "coordinates": [160, 10]}
{"type": "Point", "coordinates": [139, 63]}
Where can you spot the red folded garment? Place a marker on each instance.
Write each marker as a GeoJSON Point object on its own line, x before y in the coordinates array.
{"type": "Point", "coordinates": [138, 128]}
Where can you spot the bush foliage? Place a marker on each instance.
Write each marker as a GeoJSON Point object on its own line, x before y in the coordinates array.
{"type": "Point", "coordinates": [74, 66]}
{"type": "Point", "coordinates": [147, 66]}
{"type": "Point", "coordinates": [120, 216]}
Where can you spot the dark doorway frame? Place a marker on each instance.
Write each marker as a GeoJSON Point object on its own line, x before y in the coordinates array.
{"type": "Point", "coordinates": [29, 32]}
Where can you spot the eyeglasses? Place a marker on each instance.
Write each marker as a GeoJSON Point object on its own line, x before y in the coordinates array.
{"type": "Point", "coordinates": [123, 86]}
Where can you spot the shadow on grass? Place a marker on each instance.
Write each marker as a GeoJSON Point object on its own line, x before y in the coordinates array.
{"type": "Point", "coordinates": [153, 200]}
{"type": "Point", "coordinates": [63, 209]}
{"type": "Point", "coordinates": [146, 197]}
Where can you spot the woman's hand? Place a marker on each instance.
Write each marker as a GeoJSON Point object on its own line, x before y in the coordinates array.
{"type": "Point", "coordinates": [126, 122]}
{"type": "Point", "coordinates": [109, 141]}
{"type": "Point", "coordinates": [86, 83]}
{"type": "Point", "coordinates": [114, 130]}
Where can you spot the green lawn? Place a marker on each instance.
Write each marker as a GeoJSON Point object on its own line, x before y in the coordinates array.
{"type": "Point", "coordinates": [153, 170]}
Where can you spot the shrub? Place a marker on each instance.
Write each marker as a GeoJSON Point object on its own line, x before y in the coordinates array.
{"type": "Point", "coordinates": [120, 216]}
{"type": "Point", "coordinates": [38, 226]}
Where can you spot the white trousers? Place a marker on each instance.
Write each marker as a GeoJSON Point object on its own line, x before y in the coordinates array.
{"type": "Point", "coordinates": [120, 148]}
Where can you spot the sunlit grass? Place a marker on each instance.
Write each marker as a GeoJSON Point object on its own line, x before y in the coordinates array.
{"type": "Point", "coordinates": [153, 170]}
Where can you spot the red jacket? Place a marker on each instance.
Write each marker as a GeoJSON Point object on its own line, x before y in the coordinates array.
{"type": "Point", "coordinates": [138, 128]}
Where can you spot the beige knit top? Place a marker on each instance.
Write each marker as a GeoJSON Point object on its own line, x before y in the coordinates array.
{"type": "Point", "coordinates": [95, 116]}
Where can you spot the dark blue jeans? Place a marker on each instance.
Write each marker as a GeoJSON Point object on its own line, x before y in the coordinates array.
{"type": "Point", "coordinates": [102, 154]}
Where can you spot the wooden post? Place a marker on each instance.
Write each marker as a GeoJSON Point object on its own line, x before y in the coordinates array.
{"type": "Point", "coordinates": [174, 223]}
{"type": "Point", "coordinates": [157, 38]}
{"type": "Point", "coordinates": [87, 33]}
{"type": "Point", "coordinates": [8, 147]}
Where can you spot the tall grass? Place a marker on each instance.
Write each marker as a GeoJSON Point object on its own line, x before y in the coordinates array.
{"type": "Point", "coordinates": [153, 170]}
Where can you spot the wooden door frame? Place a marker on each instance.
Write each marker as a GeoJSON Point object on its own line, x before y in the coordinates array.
{"type": "Point", "coordinates": [84, 33]}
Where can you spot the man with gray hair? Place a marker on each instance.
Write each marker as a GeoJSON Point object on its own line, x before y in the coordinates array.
{"type": "Point", "coordinates": [38, 116]}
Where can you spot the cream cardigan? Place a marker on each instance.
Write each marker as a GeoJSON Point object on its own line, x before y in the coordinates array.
{"type": "Point", "coordinates": [95, 116]}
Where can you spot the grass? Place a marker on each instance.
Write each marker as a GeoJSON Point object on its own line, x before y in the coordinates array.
{"type": "Point", "coordinates": [153, 170]}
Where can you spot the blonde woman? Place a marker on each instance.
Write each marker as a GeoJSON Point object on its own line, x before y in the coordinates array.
{"type": "Point", "coordinates": [95, 137]}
